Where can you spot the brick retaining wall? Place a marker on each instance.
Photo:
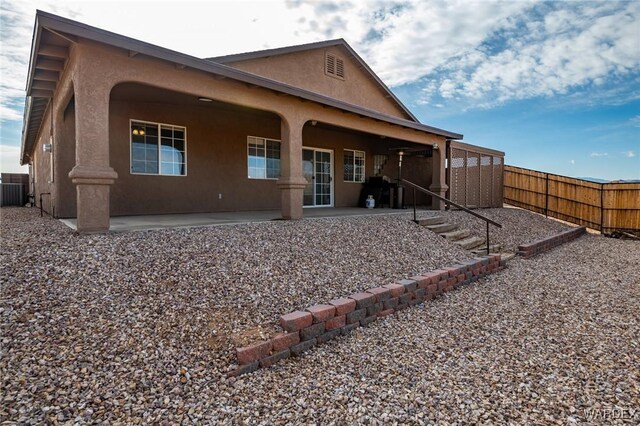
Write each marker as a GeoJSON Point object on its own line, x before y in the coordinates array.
{"type": "Point", "coordinates": [546, 244]}
{"type": "Point", "coordinates": [321, 323]}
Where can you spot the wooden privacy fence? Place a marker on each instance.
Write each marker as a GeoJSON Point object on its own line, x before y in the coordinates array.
{"type": "Point", "coordinates": [607, 207]}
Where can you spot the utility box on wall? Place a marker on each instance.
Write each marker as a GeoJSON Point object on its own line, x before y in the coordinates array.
{"type": "Point", "coordinates": [14, 189]}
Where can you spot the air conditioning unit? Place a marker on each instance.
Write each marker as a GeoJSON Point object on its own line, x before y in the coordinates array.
{"type": "Point", "coordinates": [46, 147]}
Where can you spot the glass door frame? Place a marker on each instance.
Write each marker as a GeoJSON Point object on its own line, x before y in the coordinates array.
{"type": "Point", "coordinates": [331, 174]}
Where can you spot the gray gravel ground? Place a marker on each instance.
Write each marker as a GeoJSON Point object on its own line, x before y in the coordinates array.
{"type": "Point", "coordinates": [139, 327]}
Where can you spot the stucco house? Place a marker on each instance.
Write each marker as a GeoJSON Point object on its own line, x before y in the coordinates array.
{"type": "Point", "coordinates": [115, 126]}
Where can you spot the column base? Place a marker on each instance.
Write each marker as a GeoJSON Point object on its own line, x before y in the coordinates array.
{"type": "Point", "coordinates": [93, 208]}
{"type": "Point", "coordinates": [291, 197]}
{"type": "Point", "coordinates": [92, 192]}
{"type": "Point", "coordinates": [441, 190]}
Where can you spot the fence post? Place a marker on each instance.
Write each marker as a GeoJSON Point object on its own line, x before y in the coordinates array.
{"type": "Point", "coordinates": [492, 185]}
{"type": "Point", "coordinates": [602, 208]}
{"type": "Point", "coordinates": [546, 191]}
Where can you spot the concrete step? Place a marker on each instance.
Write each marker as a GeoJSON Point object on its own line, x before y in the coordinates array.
{"type": "Point", "coordinates": [456, 235]}
{"type": "Point", "coordinates": [435, 220]}
{"type": "Point", "coordinates": [442, 227]}
{"type": "Point", "coordinates": [471, 243]}
{"type": "Point", "coordinates": [507, 256]}
{"type": "Point", "coordinates": [481, 251]}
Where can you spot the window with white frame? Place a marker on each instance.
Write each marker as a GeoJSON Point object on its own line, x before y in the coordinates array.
{"type": "Point", "coordinates": [158, 149]}
{"type": "Point", "coordinates": [353, 166]}
{"type": "Point", "coordinates": [263, 158]}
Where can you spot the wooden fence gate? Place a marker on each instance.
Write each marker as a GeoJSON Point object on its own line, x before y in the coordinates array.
{"type": "Point", "coordinates": [474, 175]}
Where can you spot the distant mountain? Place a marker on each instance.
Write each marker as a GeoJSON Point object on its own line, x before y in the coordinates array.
{"type": "Point", "coordinates": [592, 179]}
{"type": "Point", "coordinates": [598, 180]}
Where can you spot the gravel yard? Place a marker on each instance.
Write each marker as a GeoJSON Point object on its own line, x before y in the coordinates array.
{"type": "Point", "coordinates": [140, 326]}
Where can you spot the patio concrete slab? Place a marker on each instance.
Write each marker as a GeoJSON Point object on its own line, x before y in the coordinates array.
{"type": "Point", "coordinates": [188, 220]}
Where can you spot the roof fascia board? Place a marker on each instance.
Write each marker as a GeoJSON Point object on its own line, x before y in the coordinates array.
{"type": "Point", "coordinates": [224, 59]}
{"type": "Point", "coordinates": [476, 148]}
{"type": "Point", "coordinates": [35, 45]}
{"type": "Point", "coordinates": [27, 117]}
{"type": "Point", "coordinates": [123, 42]}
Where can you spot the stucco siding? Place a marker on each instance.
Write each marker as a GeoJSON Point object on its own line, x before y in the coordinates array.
{"type": "Point", "coordinates": [216, 162]}
{"type": "Point", "coordinates": [306, 70]}
{"type": "Point", "coordinates": [65, 155]}
{"type": "Point", "coordinates": [42, 163]}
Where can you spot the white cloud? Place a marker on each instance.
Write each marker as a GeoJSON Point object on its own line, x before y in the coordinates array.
{"type": "Point", "coordinates": [473, 53]}
{"type": "Point", "coordinates": [426, 35]}
{"type": "Point", "coordinates": [9, 112]}
{"type": "Point", "coordinates": [447, 88]}
{"type": "Point", "coordinates": [629, 154]}
{"type": "Point", "coordinates": [580, 45]}
{"type": "Point", "coordinates": [483, 54]}
{"type": "Point", "coordinates": [10, 160]}
{"type": "Point", "coordinates": [599, 154]}
{"type": "Point", "coordinates": [198, 28]}
{"type": "Point", "coordinates": [16, 31]}
{"type": "Point", "coordinates": [572, 161]}
{"type": "Point", "coordinates": [13, 61]}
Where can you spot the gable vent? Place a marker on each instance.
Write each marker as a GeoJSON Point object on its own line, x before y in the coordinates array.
{"type": "Point", "coordinates": [334, 66]}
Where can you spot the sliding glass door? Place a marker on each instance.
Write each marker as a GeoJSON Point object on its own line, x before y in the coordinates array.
{"type": "Point", "coordinates": [317, 166]}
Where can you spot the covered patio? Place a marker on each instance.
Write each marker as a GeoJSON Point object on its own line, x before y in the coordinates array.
{"type": "Point", "coordinates": [189, 220]}
{"type": "Point", "coordinates": [111, 90]}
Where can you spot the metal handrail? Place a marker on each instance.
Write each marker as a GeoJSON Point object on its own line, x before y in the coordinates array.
{"type": "Point", "coordinates": [446, 200]}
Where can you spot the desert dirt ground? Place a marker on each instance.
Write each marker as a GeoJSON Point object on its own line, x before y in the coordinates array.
{"type": "Point", "coordinates": [140, 327]}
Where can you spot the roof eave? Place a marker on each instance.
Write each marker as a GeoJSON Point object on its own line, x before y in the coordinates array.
{"type": "Point", "coordinates": [25, 129]}
{"type": "Point", "coordinates": [482, 149]}
{"type": "Point", "coordinates": [46, 20]}
{"type": "Point", "coordinates": [224, 59]}
{"type": "Point", "coordinates": [35, 42]}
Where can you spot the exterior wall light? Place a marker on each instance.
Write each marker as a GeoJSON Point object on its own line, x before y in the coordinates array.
{"type": "Point", "coordinates": [205, 100]}
{"type": "Point", "coordinates": [435, 147]}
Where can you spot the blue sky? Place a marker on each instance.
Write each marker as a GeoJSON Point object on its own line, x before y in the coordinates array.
{"type": "Point", "coordinates": [556, 85]}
